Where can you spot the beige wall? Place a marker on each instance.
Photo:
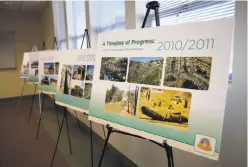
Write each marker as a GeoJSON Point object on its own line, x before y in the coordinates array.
{"type": "Point", "coordinates": [27, 28]}
{"type": "Point", "coordinates": [30, 28]}
{"type": "Point", "coordinates": [47, 25]}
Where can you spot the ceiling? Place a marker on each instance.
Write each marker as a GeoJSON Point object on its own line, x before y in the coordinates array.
{"type": "Point", "coordinates": [21, 6]}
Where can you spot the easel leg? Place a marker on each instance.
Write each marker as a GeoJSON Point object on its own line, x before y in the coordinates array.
{"type": "Point", "coordinates": [30, 112]}
{"type": "Point", "coordinates": [91, 144]}
{"type": "Point", "coordinates": [110, 130]}
{"type": "Point", "coordinates": [103, 129]}
{"type": "Point", "coordinates": [55, 106]}
{"type": "Point", "coordinates": [37, 133]}
{"type": "Point", "coordinates": [60, 129]}
{"type": "Point", "coordinates": [77, 120]}
{"type": "Point", "coordinates": [68, 132]}
{"type": "Point", "coordinates": [169, 154]}
{"type": "Point", "coordinates": [19, 102]}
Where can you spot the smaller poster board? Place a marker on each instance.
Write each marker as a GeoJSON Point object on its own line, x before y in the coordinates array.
{"type": "Point", "coordinates": [33, 72]}
{"type": "Point", "coordinates": [25, 65]}
{"type": "Point", "coordinates": [75, 79]}
{"type": "Point", "coordinates": [48, 71]}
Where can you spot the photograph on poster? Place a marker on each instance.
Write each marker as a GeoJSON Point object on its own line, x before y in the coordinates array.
{"type": "Point", "coordinates": [53, 81]}
{"type": "Point", "coordinates": [78, 72]}
{"type": "Point", "coordinates": [77, 89]}
{"type": "Point", "coordinates": [49, 68]}
{"type": "Point", "coordinates": [34, 72]}
{"type": "Point", "coordinates": [45, 80]}
{"type": "Point", "coordinates": [188, 72]}
{"type": "Point", "coordinates": [34, 64]}
{"type": "Point", "coordinates": [121, 99]}
{"type": "Point", "coordinates": [87, 91]}
{"type": "Point", "coordinates": [165, 107]}
{"type": "Point", "coordinates": [25, 70]}
{"type": "Point", "coordinates": [25, 64]}
{"type": "Point", "coordinates": [114, 69]}
{"type": "Point", "coordinates": [145, 70]}
{"type": "Point", "coordinates": [56, 68]}
{"type": "Point", "coordinates": [66, 75]}
{"type": "Point", "coordinates": [89, 72]}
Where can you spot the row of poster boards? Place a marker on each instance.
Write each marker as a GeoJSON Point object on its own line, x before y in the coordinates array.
{"type": "Point", "coordinates": [164, 83]}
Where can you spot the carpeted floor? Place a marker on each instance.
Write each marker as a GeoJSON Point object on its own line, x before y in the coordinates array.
{"type": "Point", "coordinates": [19, 148]}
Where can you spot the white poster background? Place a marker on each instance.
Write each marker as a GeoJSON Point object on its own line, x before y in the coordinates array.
{"type": "Point", "coordinates": [207, 107]}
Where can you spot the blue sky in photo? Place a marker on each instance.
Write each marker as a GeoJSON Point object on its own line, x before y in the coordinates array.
{"type": "Point", "coordinates": [90, 69]}
{"type": "Point", "coordinates": [47, 65]}
{"type": "Point", "coordinates": [145, 59]}
{"type": "Point", "coordinates": [54, 77]}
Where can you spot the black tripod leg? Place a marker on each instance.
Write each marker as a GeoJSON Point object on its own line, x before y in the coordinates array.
{"type": "Point", "coordinates": [55, 106]}
{"type": "Point", "coordinates": [54, 153]}
{"type": "Point", "coordinates": [44, 97]}
{"type": "Point", "coordinates": [77, 120]}
{"type": "Point", "coordinates": [146, 16]}
{"type": "Point", "coordinates": [30, 112]}
{"type": "Point", "coordinates": [157, 16]}
{"type": "Point", "coordinates": [68, 132]}
{"type": "Point", "coordinates": [168, 153]}
{"type": "Point", "coordinates": [110, 130]}
{"type": "Point", "coordinates": [91, 144]}
{"type": "Point", "coordinates": [103, 129]}
{"type": "Point", "coordinates": [172, 159]}
{"type": "Point", "coordinates": [19, 102]}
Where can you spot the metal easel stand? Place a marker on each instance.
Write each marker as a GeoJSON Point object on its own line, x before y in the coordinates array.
{"type": "Point", "coordinates": [68, 135]}
{"type": "Point", "coordinates": [167, 148]}
{"type": "Point", "coordinates": [31, 109]}
{"type": "Point", "coordinates": [153, 5]}
{"type": "Point", "coordinates": [41, 114]}
{"type": "Point", "coordinates": [20, 99]}
{"type": "Point", "coordinates": [33, 99]}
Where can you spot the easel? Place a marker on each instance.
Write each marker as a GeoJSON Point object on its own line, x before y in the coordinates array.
{"type": "Point", "coordinates": [154, 5]}
{"type": "Point", "coordinates": [24, 83]}
{"type": "Point", "coordinates": [44, 97]}
{"type": "Point", "coordinates": [31, 109]}
{"type": "Point", "coordinates": [85, 35]}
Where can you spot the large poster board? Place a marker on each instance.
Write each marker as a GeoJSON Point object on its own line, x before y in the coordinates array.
{"type": "Point", "coordinates": [48, 71]}
{"type": "Point", "coordinates": [25, 66]}
{"type": "Point", "coordinates": [33, 72]}
{"type": "Point", "coordinates": [75, 79]}
{"type": "Point", "coordinates": [165, 83]}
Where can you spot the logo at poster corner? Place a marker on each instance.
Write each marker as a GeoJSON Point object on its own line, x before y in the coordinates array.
{"type": "Point", "coordinates": [205, 144]}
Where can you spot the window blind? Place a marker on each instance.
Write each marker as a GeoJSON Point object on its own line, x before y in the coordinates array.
{"type": "Point", "coordinates": [59, 23]}
{"type": "Point", "coordinates": [75, 12]}
{"type": "Point", "coordinates": [176, 12]}
{"type": "Point", "coordinates": [109, 15]}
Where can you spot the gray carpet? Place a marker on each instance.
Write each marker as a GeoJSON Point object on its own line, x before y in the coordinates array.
{"type": "Point", "coordinates": [19, 148]}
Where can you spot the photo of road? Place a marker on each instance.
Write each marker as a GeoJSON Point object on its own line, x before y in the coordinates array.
{"type": "Point", "coordinates": [121, 99]}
